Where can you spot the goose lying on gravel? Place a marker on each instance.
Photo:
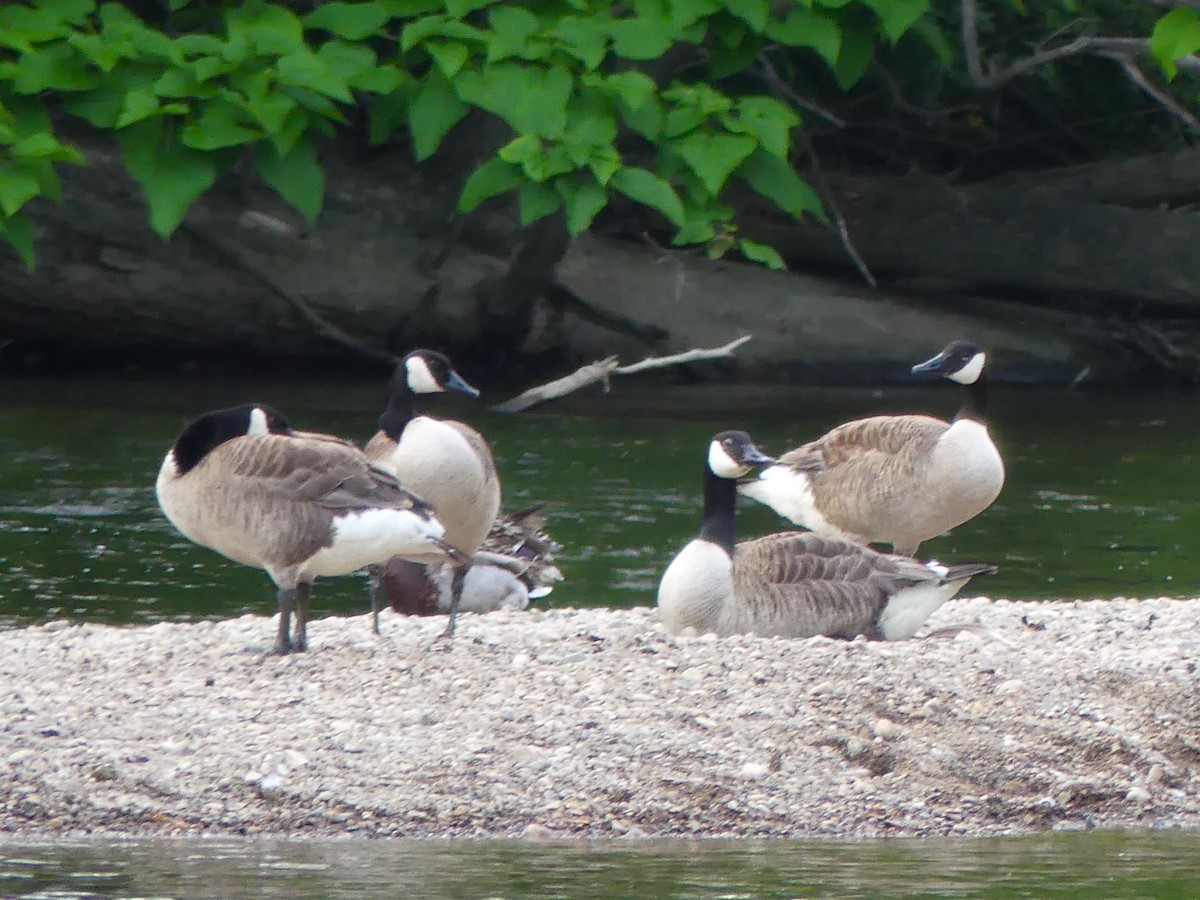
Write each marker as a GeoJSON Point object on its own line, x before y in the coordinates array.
{"type": "Point", "coordinates": [792, 584]}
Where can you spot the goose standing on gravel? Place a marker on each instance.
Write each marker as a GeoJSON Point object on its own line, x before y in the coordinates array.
{"type": "Point", "coordinates": [792, 584]}
{"type": "Point", "coordinates": [446, 463]}
{"type": "Point", "coordinates": [900, 479]}
{"type": "Point", "coordinates": [299, 505]}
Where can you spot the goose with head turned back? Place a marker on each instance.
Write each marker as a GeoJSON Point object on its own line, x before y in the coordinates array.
{"type": "Point", "coordinates": [792, 584]}
{"type": "Point", "coordinates": [900, 479]}
{"type": "Point", "coordinates": [446, 463]}
{"type": "Point", "coordinates": [299, 505]}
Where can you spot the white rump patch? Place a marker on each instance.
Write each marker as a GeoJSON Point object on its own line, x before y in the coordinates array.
{"type": "Point", "coordinates": [909, 609]}
{"type": "Point", "coordinates": [420, 379]}
{"type": "Point", "coordinates": [722, 464]}
{"type": "Point", "coordinates": [970, 373]}
{"type": "Point", "coordinates": [375, 536]}
{"type": "Point", "coordinates": [937, 568]}
{"type": "Point", "coordinates": [258, 422]}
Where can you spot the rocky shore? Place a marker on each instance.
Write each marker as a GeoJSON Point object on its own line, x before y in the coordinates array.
{"type": "Point", "coordinates": [595, 723]}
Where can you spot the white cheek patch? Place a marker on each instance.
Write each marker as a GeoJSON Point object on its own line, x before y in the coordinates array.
{"type": "Point", "coordinates": [258, 422]}
{"type": "Point", "coordinates": [970, 373]}
{"type": "Point", "coordinates": [420, 379]}
{"type": "Point", "coordinates": [722, 464]}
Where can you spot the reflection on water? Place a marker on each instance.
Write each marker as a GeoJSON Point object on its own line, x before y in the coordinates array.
{"type": "Point", "coordinates": [1096, 503]}
{"type": "Point", "coordinates": [1154, 865]}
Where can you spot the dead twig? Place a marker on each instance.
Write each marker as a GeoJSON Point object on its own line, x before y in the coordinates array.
{"type": "Point", "coordinates": [601, 370]}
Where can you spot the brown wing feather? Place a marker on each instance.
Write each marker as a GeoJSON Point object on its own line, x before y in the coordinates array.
{"type": "Point", "coordinates": [797, 584]}
{"type": "Point", "coordinates": [883, 435]}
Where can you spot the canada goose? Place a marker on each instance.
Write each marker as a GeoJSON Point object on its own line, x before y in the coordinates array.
{"type": "Point", "coordinates": [241, 482]}
{"type": "Point", "coordinates": [514, 565]}
{"type": "Point", "coordinates": [446, 463]}
{"type": "Point", "coordinates": [899, 479]}
{"type": "Point", "coordinates": [792, 584]}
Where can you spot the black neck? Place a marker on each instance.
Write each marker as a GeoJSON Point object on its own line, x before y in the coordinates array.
{"type": "Point", "coordinates": [973, 404]}
{"type": "Point", "coordinates": [399, 410]}
{"type": "Point", "coordinates": [720, 504]}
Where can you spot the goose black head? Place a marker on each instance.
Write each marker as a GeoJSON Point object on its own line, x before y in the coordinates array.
{"type": "Point", "coordinates": [211, 430]}
{"type": "Point", "coordinates": [960, 361]}
{"type": "Point", "coordinates": [732, 454]}
{"type": "Point", "coordinates": [429, 372]}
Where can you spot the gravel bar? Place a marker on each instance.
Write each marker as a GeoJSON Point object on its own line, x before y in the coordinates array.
{"type": "Point", "coordinates": [1018, 717]}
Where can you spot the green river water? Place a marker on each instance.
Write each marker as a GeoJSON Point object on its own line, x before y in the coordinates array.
{"type": "Point", "coordinates": [1099, 502]}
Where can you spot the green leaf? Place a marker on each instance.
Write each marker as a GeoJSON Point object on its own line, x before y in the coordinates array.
{"type": "Point", "coordinates": [604, 163]}
{"type": "Point", "coordinates": [774, 178]}
{"type": "Point", "coordinates": [219, 125]}
{"type": "Point", "coordinates": [19, 233]}
{"type": "Point", "coordinates": [493, 178]}
{"type": "Point", "coordinates": [381, 79]}
{"type": "Point", "coordinates": [53, 67]}
{"type": "Point", "coordinates": [419, 31]}
{"type": "Point", "coordinates": [388, 113]}
{"type": "Point", "coordinates": [449, 56]}
{"type": "Point", "coordinates": [714, 157]}
{"type": "Point", "coordinates": [898, 15]}
{"type": "Point", "coordinates": [936, 40]}
{"type": "Point", "coordinates": [256, 94]}
{"type": "Point", "coordinates": [269, 29]}
{"type": "Point", "coordinates": [808, 28]}
{"type": "Point", "coordinates": [352, 21]}
{"type": "Point", "coordinates": [296, 176]}
{"type": "Point", "coordinates": [304, 69]}
{"type": "Point", "coordinates": [513, 26]}
{"type": "Point", "coordinates": [854, 56]}
{"type": "Point", "coordinates": [584, 200]}
{"type": "Point", "coordinates": [633, 88]}
{"type": "Point", "coordinates": [17, 187]}
{"type": "Point", "coordinates": [44, 145]}
{"type": "Point", "coordinates": [171, 176]}
{"type": "Point", "coordinates": [434, 111]}
{"type": "Point", "coordinates": [531, 100]}
{"type": "Point", "coordinates": [761, 253]}
{"type": "Point", "coordinates": [752, 12]}
{"type": "Point", "coordinates": [460, 8]}
{"type": "Point", "coordinates": [140, 103]}
{"type": "Point", "coordinates": [1175, 35]}
{"type": "Point", "coordinates": [642, 37]}
{"type": "Point", "coordinates": [584, 39]}
{"type": "Point", "coordinates": [537, 201]}
{"type": "Point", "coordinates": [769, 121]}
{"type": "Point", "coordinates": [648, 189]}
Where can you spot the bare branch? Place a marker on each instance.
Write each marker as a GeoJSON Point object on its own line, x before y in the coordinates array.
{"type": "Point", "coordinates": [822, 186]}
{"type": "Point", "coordinates": [660, 362]}
{"type": "Point", "coordinates": [1085, 43]}
{"type": "Point", "coordinates": [600, 371]}
{"type": "Point", "coordinates": [777, 84]}
{"type": "Point", "coordinates": [1161, 97]}
{"type": "Point", "coordinates": [589, 374]}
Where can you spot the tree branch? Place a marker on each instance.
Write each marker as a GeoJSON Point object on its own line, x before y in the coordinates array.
{"type": "Point", "coordinates": [1161, 97]}
{"type": "Point", "coordinates": [600, 370]}
{"type": "Point", "coordinates": [1085, 43]}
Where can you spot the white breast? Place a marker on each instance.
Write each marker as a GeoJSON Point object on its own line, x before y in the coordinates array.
{"type": "Point", "coordinates": [434, 460]}
{"type": "Point", "coordinates": [968, 463]}
{"type": "Point", "coordinates": [696, 588]}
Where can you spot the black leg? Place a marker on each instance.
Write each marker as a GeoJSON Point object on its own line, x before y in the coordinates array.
{"type": "Point", "coordinates": [287, 600]}
{"type": "Point", "coordinates": [456, 589]}
{"type": "Point", "coordinates": [303, 595]}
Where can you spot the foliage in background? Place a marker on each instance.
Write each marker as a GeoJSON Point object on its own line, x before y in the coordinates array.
{"type": "Point", "coordinates": [594, 98]}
